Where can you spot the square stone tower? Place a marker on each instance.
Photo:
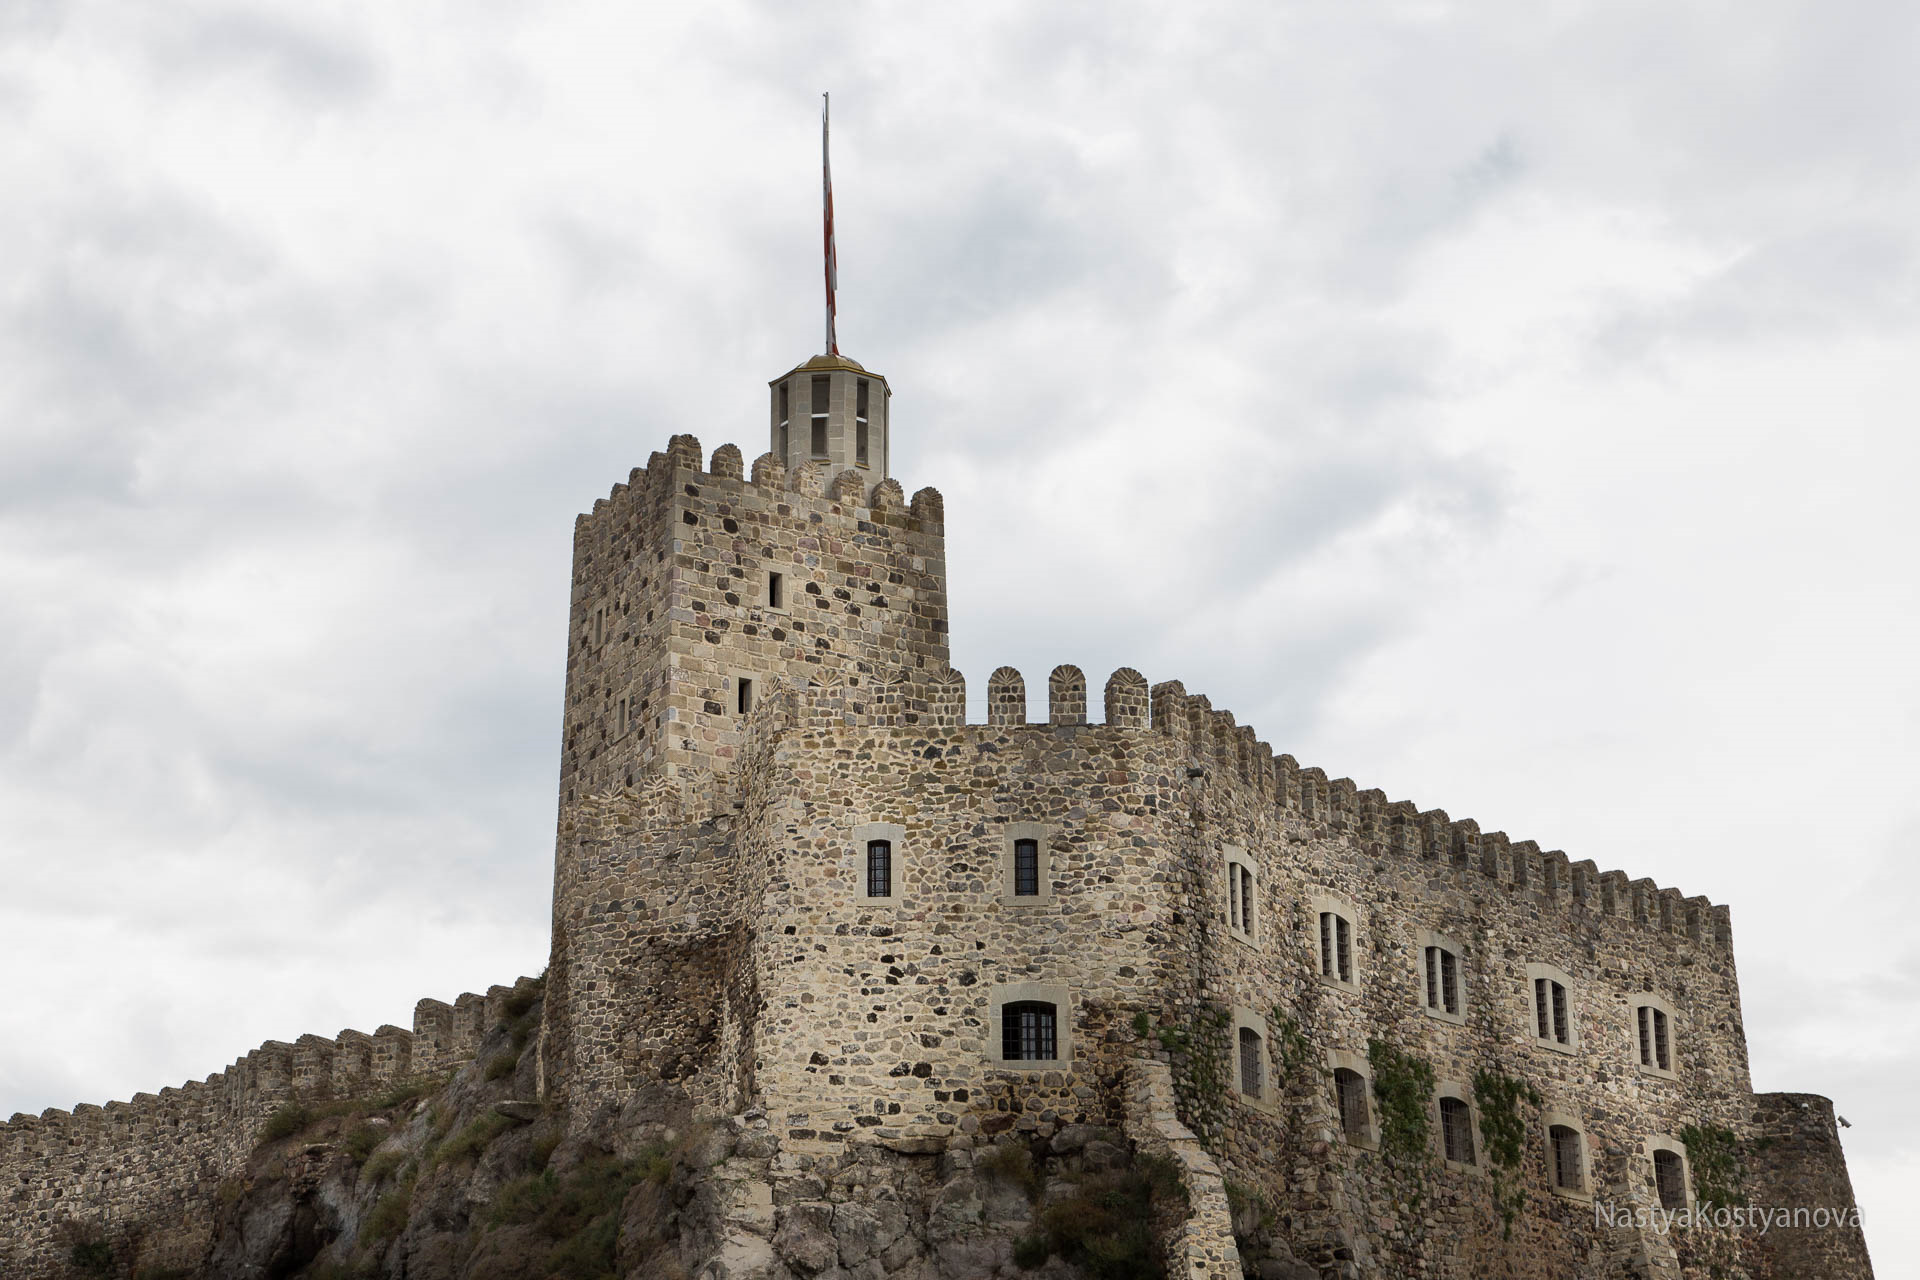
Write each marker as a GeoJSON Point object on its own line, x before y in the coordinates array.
{"type": "Point", "coordinates": [697, 591]}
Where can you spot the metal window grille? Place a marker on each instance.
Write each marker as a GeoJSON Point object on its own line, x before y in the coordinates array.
{"type": "Point", "coordinates": [1566, 1158]}
{"type": "Point", "coordinates": [1662, 1057]}
{"type": "Point", "coordinates": [1250, 1062]}
{"type": "Point", "coordinates": [1669, 1178]}
{"type": "Point", "coordinates": [1542, 1019]}
{"type": "Point", "coordinates": [879, 869]}
{"type": "Point", "coordinates": [1560, 1030]}
{"type": "Point", "coordinates": [1350, 1089]}
{"type": "Point", "coordinates": [1246, 901]}
{"type": "Point", "coordinates": [1233, 895]}
{"type": "Point", "coordinates": [1433, 977]}
{"type": "Point", "coordinates": [1646, 1036]}
{"type": "Point", "coordinates": [1343, 935]}
{"type": "Point", "coordinates": [1027, 1032]}
{"type": "Point", "coordinates": [1449, 981]}
{"type": "Point", "coordinates": [1026, 868]}
{"type": "Point", "coordinates": [1326, 944]}
{"type": "Point", "coordinates": [1456, 1130]}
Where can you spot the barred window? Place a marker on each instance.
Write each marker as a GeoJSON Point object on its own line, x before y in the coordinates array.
{"type": "Point", "coordinates": [1566, 1158]}
{"type": "Point", "coordinates": [1241, 917]}
{"type": "Point", "coordinates": [1350, 1090]}
{"type": "Point", "coordinates": [1456, 1130]}
{"type": "Point", "coordinates": [1336, 946]}
{"type": "Point", "coordinates": [1669, 1179]}
{"type": "Point", "coordinates": [879, 869]}
{"type": "Point", "coordinates": [1443, 980]}
{"type": "Point", "coordinates": [1026, 868]}
{"type": "Point", "coordinates": [1250, 1066]}
{"type": "Point", "coordinates": [1246, 901]}
{"type": "Point", "coordinates": [1028, 1031]}
{"type": "Point", "coordinates": [1550, 1011]}
{"type": "Point", "coordinates": [1655, 1045]}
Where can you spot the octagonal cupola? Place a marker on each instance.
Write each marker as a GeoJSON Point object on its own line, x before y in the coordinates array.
{"type": "Point", "coordinates": [830, 410]}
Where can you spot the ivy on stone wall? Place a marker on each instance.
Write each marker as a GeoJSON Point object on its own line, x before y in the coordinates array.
{"type": "Point", "coordinates": [1503, 1133]}
{"type": "Point", "coordinates": [1403, 1085]}
{"type": "Point", "coordinates": [1292, 1049]}
{"type": "Point", "coordinates": [1719, 1171]}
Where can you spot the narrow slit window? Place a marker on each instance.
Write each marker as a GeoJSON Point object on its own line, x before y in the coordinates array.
{"type": "Point", "coordinates": [1456, 1130]}
{"type": "Point", "coordinates": [879, 869]}
{"type": "Point", "coordinates": [1350, 1090]}
{"type": "Point", "coordinates": [860, 424]}
{"type": "Point", "coordinates": [1669, 1178]}
{"type": "Point", "coordinates": [1026, 868]}
{"type": "Point", "coordinates": [1250, 1066]}
{"type": "Point", "coordinates": [820, 393]}
{"type": "Point", "coordinates": [1029, 1031]}
{"type": "Point", "coordinates": [1566, 1158]}
{"type": "Point", "coordinates": [776, 589]}
{"type": "Point", "coordinates": [743, 695]}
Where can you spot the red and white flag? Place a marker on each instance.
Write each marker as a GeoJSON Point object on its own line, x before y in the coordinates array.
{"type": "Point", "coordinates": [826, 215]}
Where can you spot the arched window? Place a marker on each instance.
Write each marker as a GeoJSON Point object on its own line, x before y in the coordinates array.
{"type": "Point", "coordinates": [1670, 1179]}
{"type": "Point", "coordinates": [1456, 1130]}
{"type": "Point", "coordinates": [1350, 1090]}
{"type": "Point", "coordinates": [1251, 1083]}
{"type": "Point", "coordinates": [1026, 868]}
{"type": "Point", "coordinates": [879, 868]}
{"type": "Point", "coordinates": [1568, 1174]}
{"type": "Point", "coordinates": [1029, 1031]}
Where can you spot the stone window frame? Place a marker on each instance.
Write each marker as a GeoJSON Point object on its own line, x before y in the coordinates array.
{"type": "Point", "coordinates": [896, 836]}
{"type": "Point", "coordinates": [1552, 973]}
{"type": "Point", "coordinates": [626, 712]}
{"type": "Point", "coordinates": [1238, 859]}
{"type": "Point", "coordinates": [1464, 1094]}
{"type": "Point", "coordinates": [766, 590]}
{"type": "Point", "coordinates": [1056, 994]}
{"type": "Point", "coordinates": [1041, 834]}
{"type": "Point", "coordinates": [1323, 902]}
{"type": "Point", "coordinates": [755, 681]}
{"type": "Point", "coordinates": [1339, 1060]}
{"type": "Point", "coordinates": [1667, 1142]}
{"type": "Point", "coordinates": [1551, 1120]}
{"type": "Point", "coordinates": [1637, 1001]}
{"type": "Point", "coordinates": [1423, 939]}
{"type": "Point", "coordinates": [1245, 1018]}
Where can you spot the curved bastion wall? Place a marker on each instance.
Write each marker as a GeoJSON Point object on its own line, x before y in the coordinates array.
{"type": "Point", "coordinates": [147, 1171]}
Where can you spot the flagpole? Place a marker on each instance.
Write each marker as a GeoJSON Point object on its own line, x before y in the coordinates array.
{"type": "Point", "coordinates": [826, 217]}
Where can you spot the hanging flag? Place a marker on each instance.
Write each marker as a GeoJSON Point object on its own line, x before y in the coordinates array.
{"type": "Point", "coordinates": [826, 215]}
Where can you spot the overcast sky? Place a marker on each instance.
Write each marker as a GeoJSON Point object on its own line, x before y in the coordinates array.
{"type": "Point", "coordinates": [1508, 405]}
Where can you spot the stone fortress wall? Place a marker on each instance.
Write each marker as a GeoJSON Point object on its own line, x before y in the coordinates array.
{"type": "Point", "coordinates": [155, 1164]}
{"type": "Point", "coordinates": [720, 942]}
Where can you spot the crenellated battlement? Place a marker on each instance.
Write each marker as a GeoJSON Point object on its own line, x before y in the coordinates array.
{"type": "Point", "coordinates": [443, 1037]}
{"type": "Point", "coordinates": [770, 480]}
{"type": "Point", "coordinates": [1233, 752]}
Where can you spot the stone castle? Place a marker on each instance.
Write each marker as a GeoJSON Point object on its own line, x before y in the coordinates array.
{"type": "Point", "coordinates": [793, 883]}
